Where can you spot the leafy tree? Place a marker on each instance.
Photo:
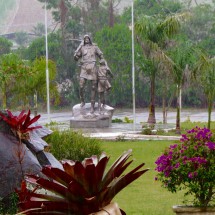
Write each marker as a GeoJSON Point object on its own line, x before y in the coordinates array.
{"type": "Point", "coordinates": [115, 43]}
{"type": "Point", "coordinates": [200, 27]}
{"type": "Point", "coordinates": [151, 8]}
{"type": "Point", "coordinates": [37, 49]}
{"type": "Point", "coordinates": [14, 72]}
{"type": "Point", "coordinates": [21, 38]}
{"type": "Point", "coordinates": [37, 81]}
{"type": "Point", "coordinates": [5, 46]}
{"type": "Point", "coordinates": [205, 71]}
{"type": "Point", "coordinates": [11, 68]}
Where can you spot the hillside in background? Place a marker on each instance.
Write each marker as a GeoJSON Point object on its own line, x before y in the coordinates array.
{"type": "Point", "coordinates": [23, 15]}
{"type": "Point", "coordinates": [6, 8]}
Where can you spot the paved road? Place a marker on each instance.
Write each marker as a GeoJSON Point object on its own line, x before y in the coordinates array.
{"type": "Point", "coordinates": [140, 115]}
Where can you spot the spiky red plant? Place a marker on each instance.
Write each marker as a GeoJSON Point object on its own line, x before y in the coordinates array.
{"type": "Point", "coordinates": [82, 188]}
{"type": "Point", "coordinates": [20, 124]}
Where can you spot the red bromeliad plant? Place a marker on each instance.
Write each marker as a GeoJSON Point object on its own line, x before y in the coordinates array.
{"type": "Point", "coordinates": [20, 124]}
{"type": "Point", "coordinates": [20, 127]}
{"type": "Point", "coordinates": [82, 188]}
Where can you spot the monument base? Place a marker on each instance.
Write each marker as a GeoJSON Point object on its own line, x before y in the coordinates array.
{"type": "Point", "coordinates": [82, 118]}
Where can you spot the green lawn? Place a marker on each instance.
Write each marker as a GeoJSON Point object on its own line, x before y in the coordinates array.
{"type": "Point", "coordinates": [145, 196]}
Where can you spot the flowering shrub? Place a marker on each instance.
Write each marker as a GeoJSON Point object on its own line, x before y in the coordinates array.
{"type": "Point", "coordinates": [190, 165]}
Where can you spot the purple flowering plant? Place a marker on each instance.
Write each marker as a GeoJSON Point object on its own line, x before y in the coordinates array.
{"type": "Point", "coordinates": [190, 166]}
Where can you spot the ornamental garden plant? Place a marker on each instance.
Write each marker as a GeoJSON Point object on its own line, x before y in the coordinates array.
{"type": "Point", "coordinates": [81, 188]}
{"type": "Point", "coordinates": [190, 166]}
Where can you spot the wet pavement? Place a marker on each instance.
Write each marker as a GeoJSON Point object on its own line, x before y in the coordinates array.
{"type": "Point", "coordinates": [129, 130]}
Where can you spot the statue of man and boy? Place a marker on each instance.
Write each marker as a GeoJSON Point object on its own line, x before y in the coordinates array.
{"type": "Point", "coordinates": [88, 52]}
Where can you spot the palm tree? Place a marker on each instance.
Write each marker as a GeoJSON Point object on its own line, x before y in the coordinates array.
{"type": "Point", "coordinates": [154, 33]}
{"type": "Point", "coordinates": [205, 70]}
{"type": "Point", "coordinates": [182, 56]}
{"type": "Point", "coordinates": [39, 29]}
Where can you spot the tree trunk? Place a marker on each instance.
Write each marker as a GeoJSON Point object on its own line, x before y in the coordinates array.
{"type": "Point", "coordinates": [164, 105]}
{"type": "Point", "coordinates": [111, 15]}
{"type": "Point", "coordinates": [4, 97]}
{"type": "Point", "coordinates": [178, 114]}
{"type": "Point", "coordinates": [63, 18]}
{"type": "Point", "coordinates": [210, 106]}
{"type": "Point", "coordinates": [151, 118]}
{"type": "Point", "coordinates": [164, 110]}
{"type": "Point", "coordinates": [35, 103]}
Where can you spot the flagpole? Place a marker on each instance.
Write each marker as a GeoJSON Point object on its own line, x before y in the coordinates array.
{"type": "Point", "coordinates": [133, 69]}
{"type": "Point", "coordinates": [47, 67]}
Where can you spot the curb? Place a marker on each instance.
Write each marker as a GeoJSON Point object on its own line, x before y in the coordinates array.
{"type": "Point", "coordinates": [129, 136]}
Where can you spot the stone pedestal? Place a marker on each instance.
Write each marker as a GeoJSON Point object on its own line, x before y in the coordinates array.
{"type": "Point", "coordinates": [82, 118]}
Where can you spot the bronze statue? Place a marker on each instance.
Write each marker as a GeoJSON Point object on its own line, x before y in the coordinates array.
{"type": "Point", "coordinates": [88, 52]}
{"type": "Point", "coordinates": [103, 83]}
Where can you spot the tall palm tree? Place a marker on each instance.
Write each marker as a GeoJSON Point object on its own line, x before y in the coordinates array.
{"type": "Point", "coordinates": [182, 56]}
{"type": "Point", "coordinates": [154, 34]}
{"type": "Point", "coordinates": [205, 71]}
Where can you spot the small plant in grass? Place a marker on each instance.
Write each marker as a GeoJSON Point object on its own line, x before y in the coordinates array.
{"type": "Point", "coordinates": [81, 188]}
{"type": "Point", "coordinates": [54, 124]}
{"type": "Point", "coordinates": [120, 138]}
{"type": "Point", "coordinates": [127, 120]}
{"type": "Point", "coordinates": [161, 132]}
{"type": "Point", "coordinates": [117, 120]}
{"type": "Point", "coordinates": [72, 145]}
{"type": "Point", "coordinates": [190, 166]}
{"type": "Point", "coordinates": [147, 131]}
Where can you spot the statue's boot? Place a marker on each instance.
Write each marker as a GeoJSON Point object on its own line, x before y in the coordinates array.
{"type": "Point", "coordinates": [82, 102]}
{"type": "Point", "coordinates": [99, 106]}
{"type": "Point", "coordinates": [92, 109]}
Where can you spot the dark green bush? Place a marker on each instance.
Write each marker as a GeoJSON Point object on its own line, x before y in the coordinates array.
{"type": "Point", "coordinates": [72, 145]}
{"type": "Point", "coordinates": [147, 131]}
{"type": "Point", "coordinates": [117, 120]}
{"type": "Point", "coordinates": [8, 205]}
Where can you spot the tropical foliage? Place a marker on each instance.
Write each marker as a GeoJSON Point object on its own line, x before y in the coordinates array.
{"type": "Point", "coordinates": [20, 124]}
{"type": "Point", "coordinates": [154, 34]}
{"type": "Point", "coordinates": [81, 18]}
{"type": "Point", "coordinates": [5, 46]}
{"type": "Point", "coordinates": [205, 70]}
{"type": "Point", "coordinates": [183, 56]}
{"type": "Point", "coordinates": [81, 188]}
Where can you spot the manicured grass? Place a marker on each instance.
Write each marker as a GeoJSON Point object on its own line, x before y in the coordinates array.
{"type": "Point", "coordinates": [187, 125]}
{"type": "Point", "coordinates": [145, 196]}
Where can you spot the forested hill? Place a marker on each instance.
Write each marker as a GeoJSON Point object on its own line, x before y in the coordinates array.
{"type": "Point", "coordinates": [23, 15]}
